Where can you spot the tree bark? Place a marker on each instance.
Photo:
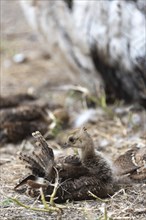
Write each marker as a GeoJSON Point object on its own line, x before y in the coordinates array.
{"type": "Point", "coordinates": [99, 41]}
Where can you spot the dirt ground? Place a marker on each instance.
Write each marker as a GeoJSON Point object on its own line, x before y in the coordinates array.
{"type": "Point", "coordinates": [114, 128]}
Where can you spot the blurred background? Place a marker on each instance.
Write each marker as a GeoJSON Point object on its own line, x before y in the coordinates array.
{"type": "Point", "coordinates": [49, 50]}
{"type": "Point", "coordinates": [102, 48]}
{"type": "Point", "coordinates": [25, 61]}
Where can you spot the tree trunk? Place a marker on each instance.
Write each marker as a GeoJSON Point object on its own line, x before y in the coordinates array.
{"type": "Point", "coordinates": [99, 41]}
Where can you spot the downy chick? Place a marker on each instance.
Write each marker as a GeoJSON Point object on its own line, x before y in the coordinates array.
{"type": "Point", "coordinates": [77, 176]}
{"type": "Point", "coordinates": [91, 159]}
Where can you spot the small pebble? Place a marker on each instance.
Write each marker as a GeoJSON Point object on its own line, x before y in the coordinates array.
{"type": "Point", "coordinates": [19, 58]}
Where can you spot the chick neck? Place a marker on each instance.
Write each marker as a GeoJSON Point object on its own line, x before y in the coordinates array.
{"type": "Point", "coordinates": [87, 151]}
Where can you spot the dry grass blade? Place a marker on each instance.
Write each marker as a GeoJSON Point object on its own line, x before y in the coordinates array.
{"type": "Point", "coordinates": [97, 198]}
{"type": "Point", "coordinates": [56, 185]}
{"type": "Point", "coordinates": [46, 208]}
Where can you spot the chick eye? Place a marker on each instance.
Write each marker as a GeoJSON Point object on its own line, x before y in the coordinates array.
{"type": "Point", "coordinates": [71, 139]}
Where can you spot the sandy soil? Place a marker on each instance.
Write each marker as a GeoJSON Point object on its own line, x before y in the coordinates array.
{"type": "Point", "coordinates": [113, 133]}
